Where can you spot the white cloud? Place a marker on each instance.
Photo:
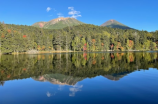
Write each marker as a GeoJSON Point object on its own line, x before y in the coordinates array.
{"type": "Point", "coordinates": [73, 12]}
{"type": "Point", "coordinates": [48, 9]}
{"type": "Point", "coordinates": [48, 94]}
{"type": "Point", "coordinates": [71, 8]}
{"type": "Point", "coordinates": [75, 89]}
{"type": "Point", "coordinates": [60, 15]}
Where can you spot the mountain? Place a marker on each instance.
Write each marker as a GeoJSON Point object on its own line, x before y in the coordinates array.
{"type": "Point", "coordinates": [116, 77]}
{"type": "Point", "coordinates": [58, 23]}
{"type": "Point", "coordinates": [39, 24]}
{"type": "Point", "coordinates": [59, 79]}
{"type": "Point", "coordinates": [115, 24]}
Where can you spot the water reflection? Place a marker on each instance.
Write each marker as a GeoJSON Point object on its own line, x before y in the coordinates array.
{"type": "Point", "coordinates": [58, 79]}
{"type": "Point", "coordinates": [79, 78]}
{"type": "Point", "coordinates": [48, 94]}
{"type": "Point", "coordinates": [68, 69]}
{"type": "Point", "coordinates": [116, 77]}
{"type": "Point", "coordinates": [62, 81]}
{"type": "Point", "coordinates": [2, 83]}
{"type": "Point", "coordinates": [75, 89]}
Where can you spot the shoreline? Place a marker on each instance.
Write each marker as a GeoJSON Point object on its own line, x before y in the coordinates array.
{"type": "Point", "coordinates": [41, 52]}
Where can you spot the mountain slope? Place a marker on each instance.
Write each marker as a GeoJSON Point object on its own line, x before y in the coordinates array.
{"type": "Point", "coordinates": [39, 24]}
{"type": "Point", "coordinates": [116, 77]}
{"type": "Point", "coordinates": [59, 79]}
{"type": "Point", "coordinates": [115, 24]}
{"type": "Point", "coordinates": [58, 23]}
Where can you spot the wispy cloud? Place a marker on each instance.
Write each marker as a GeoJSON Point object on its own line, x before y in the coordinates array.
{"type": "Point", "coordinates": [75, 89]}
{"type": "Point", "coordinates": [73, 12]}
{"type": "Point", "coordinates": [60, 15]}
{"type": "Point", "coordinates": [48, 9]}
{"type": "Point", "coordinates": [48, 94]}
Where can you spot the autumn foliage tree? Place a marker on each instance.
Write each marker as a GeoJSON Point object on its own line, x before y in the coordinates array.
{"type": "Point", "coordinates": [19, 38]}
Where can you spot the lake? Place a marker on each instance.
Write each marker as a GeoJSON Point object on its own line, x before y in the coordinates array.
{"type": "Point", "coordinates": [80, 78]}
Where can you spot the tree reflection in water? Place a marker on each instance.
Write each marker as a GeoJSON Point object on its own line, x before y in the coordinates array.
{"type": "Point", "coordinates": [68, 69]}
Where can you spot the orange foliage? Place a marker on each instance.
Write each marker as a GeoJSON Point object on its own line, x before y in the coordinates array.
{"type": "Point", "coordinates": [85, 55]}
{"type": "Point", "coordinates": [24, 36]}
{"type": "Point", "coordinates": [2, 71]}
{"type": "Point", "coordinates": [85, 47]}
{"type": "Point", "coordinates": [131, 57]}
{"type": "Point", "coordinates": [118, 56]}
{"type": "Point", "coordinates": [112, 56]}
{"type": "Point", "coordinates": [24, 69]}
{"type": "Point", "coordinates": [50, 47]}
{"type": "Point", "coordinates": [131, 43]}
{"type": "Point", "coordinates": [9, 31]}
{"type": "Point", "coordinates": [102, 44]}
{"type": "Point", "coordinates": [8, 76]}
{"type": "Point", "coordinates": [2, 36]}
{"type": "Point", "coordinates": [94, 62]}
{"type": "Point", "coordinates": [122, 54]}
{"type": "Point", "coordinates": [122, 48]}
{"type": "Point", "coordinates": [102, 58]}
{"type": "Point", "coordinates": [112, 45]}
{"type": "Point", "coordinates": [93, 40]}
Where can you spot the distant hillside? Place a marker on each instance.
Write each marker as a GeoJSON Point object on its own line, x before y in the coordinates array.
{"type": "Point", "coordinates": [115, 24]}
{"type": "Point", "coordinates": [59, 79]}
{"type": "Point", "coordinates": [116, 77]}
{"type": "Point", "coordinates": [39, 24]}
{"type": "Point", "coordinates": [58, 23]}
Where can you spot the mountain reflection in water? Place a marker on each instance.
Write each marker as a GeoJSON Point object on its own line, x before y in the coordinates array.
{"type": "Point", "coordinates": [127, 78]}
{"type": "Point", "coordinates": [68, 69]}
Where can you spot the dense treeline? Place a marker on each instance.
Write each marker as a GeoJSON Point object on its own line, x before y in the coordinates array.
{"type": "Point", "coordinates": [75, 64]}
{"type": "Point", "coordinates": [19, 38]}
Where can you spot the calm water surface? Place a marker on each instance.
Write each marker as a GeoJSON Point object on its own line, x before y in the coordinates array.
{"type": "Point", "coordinates": [79, 78]}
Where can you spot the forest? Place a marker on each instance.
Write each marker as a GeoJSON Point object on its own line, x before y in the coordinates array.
{"type": "Point", "coordinates": [85, 37]}
{"type": "Point", "coordinates": [77, 65]}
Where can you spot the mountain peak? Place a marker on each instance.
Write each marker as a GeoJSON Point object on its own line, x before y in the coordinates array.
{"type": "Point", "coordinates": [112, 20]}
{"type": "Point", "coordinates": [115, 24]}
{"type": "Point", "coordinates": [60, 18]}
{"type": "Point", "coordinates": [58, 23]}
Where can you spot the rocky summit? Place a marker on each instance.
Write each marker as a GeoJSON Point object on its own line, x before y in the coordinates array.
{"type": "Point", "coordinates": [115, 24]}
{"type": "Point", "coordinates": [58, 23]}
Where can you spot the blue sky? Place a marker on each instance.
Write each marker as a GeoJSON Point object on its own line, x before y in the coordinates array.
{"type": "Point", "coordinates": [138, 14]}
